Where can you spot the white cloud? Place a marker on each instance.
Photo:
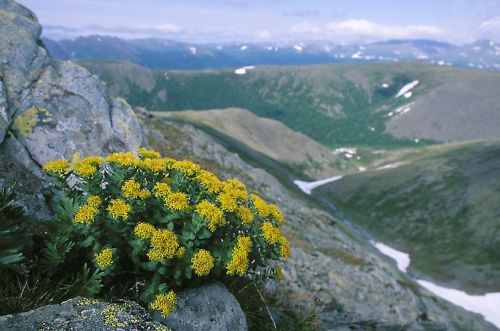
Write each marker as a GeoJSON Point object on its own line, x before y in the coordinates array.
{"type": "Point", "coordinates": [489, 29]}
{"type": "Point", "coordinates": [362, 29]}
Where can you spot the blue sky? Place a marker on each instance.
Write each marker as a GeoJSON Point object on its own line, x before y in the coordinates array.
{"type": "Point", "coordinates": [271, 20]}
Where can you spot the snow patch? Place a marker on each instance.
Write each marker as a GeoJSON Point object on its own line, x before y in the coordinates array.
{"type": "Point", "coordinates": [357, 55]}
{"type": "Point", "coordinates": [402, 259]}
{"type": "Point", "coordinates": [385, 85]}
{"type": "Point", "coordinates": [244, 47]}
{"type": "Point", "coordinates": [391, 166]}
{"type": "Point", "coordinates": [243, 70]}
{"type": "Point", "coordinates": [193, 50]}
{"type": "Point", "coordinates": [307, 187]}
{"type": "Point", "coordinates": [486, 305]}
{"type": "Point", "coordinates": [407, 88]}
{"type": "Point", "coordinates": [408, 94]}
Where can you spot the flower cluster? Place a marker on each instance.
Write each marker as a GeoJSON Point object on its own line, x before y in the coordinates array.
{"type": "Point", "coordinates": [175, 223]}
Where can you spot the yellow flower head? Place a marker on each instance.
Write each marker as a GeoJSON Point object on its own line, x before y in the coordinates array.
{"type": "Point", "coordinates": [284, 248]}
{"type": "Point", "coordinates": [177, 201]}
{"type": "Point", "coordinates": [148, 153]}
{"type": "Point", "coordinates": [245, 214]}
{"type": "Point", "coordinates": [154, 165]}
{"type": "Point", "coordinates": [125, 159]}
{"type": "Point", "coordinates": [261, 206]}
{"type": "Point", "coordinates": [119, 208]}
{"type": "Point", "coordinates": [59, 167]}
{"type": "Point", "coordinates": [85, 215]}
{"type": "Point", "coordinates": [187, 167]}
{"type": "Point", "coordinates": [275, 213]}
{"type": "Point", "coordinates": [202, 262]}
{"type": "Point", "coordinates": [164, 303]}
{"type": "Point", "coordinates": [161, 190]}
{"type": "Point", "coordinates": [271, 234]}
{"type": "Point", "coordinates": [94, 201]}
{"type": "Point", "coordinates": [164, 245]}
{"type": "Point", "coordinates": [104, 258]}
{"type": "Point", "coordinates": [211, 213]}
{"type": "Point", "coordinates": [144, 230]}
{"type": "Point", "coordinates": [227, 202]}
{"type": "Point", "coordinates": [209, 181]}
{"type": "Point", "coordinates": [84, 169]}
{"type": "Point", "coordinates": [235, 188]}
{"type": "Point", "coordinates": [239, 257]}
{"type": "Point", "coordinates": [131, 189]}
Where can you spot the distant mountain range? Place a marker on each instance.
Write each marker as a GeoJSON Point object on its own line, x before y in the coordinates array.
{"type": "Point", "coordinates": [168, 54]}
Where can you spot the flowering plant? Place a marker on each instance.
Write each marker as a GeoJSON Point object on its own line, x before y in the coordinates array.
{"type": "Point", "coordinates": [166, 222]}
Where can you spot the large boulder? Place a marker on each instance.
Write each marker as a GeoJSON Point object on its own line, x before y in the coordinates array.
{"type": "Point", "coordinates": [50, 109]}
{"type": "Point", "coordinates": [83, 315]}
{"type": "Point", "coordinates": [208, 308]}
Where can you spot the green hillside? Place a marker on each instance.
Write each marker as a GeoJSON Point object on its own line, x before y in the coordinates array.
{"type": "Point", "coordinates": [442, 207]}
{"type": "Point", "coordinates": [337, 105]}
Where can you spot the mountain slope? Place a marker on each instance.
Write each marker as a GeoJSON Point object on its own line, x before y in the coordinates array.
{"type": "Point", "coordinates": [168, 54]}
{"type": "Point", "coordinates": [332, 270]}
{"type": "Point", "coordinates": [271, 138]}
{"type": "Point", "coordinates": [336, 105]}
{"type": "Point", "coordinates": [442, 207]}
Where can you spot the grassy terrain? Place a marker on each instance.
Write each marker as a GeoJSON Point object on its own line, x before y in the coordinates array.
{"type": "Point", "coordinates": [336, 105]}
{"type": "Point", "coordinates": [271, 138]}
{"type": "Point", "coordinates": [440, 205]}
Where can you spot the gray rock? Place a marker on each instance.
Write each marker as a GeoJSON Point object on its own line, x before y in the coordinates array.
{"type": "Point", "coordinates": [51, 109]}
{"type": "Point", "coordinates": [81, 314]}
{"type": "Point", "coordinates": [208, 308]}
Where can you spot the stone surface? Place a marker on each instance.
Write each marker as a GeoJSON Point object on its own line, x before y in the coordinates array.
{"type": "Point", "coordinates": [81, 314]}
{"type": "Point", "coordinates": [50, 109]}
{"type": "Point", "coordinates": [208, 308]}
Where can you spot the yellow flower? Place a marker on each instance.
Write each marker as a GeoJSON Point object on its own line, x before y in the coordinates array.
{"type": "Point", "coordinates": [161, 190]}
{"type": "Point", "coordinates": [271, 234]}
{"type": "Point", "coordinates": [227, 202]}
{"type": "Point", "coordinates": [144, 194]}
{"type": "Point", "coordinates": [209, 181]}
{"type": "Point", "coordinates": [276, 213]}
{"type": "Point", "coordinates": [211, 213]}
{"type": "Point", "coordinates": [84, 169]}
{"type": "Point", "coordinates": [164, 303]}
{"type": "Point", "coordinates": [245, 214]}
{"type": "Point", "coordinates": [144, 230]}
{"type": "Point", "coordinates": [239, 257]}
{"type": "Point", "coordinates": [88, 211]}
{"type": "Point", "coordinates": [187, 167]}
{"type": "Point", "coordinates": [155, 165]}
{"type": "Point", "coordinates": [284, 248]}
{"type": "Point", "coordinates": [125, 159]}
{"type": "Point", "coordinates": [235, 188]}
{"type": "Point", "coordinates": [85, 215]}
{"type": "Point", "coordinates": [94, 201]}
{"type": "Point", "coordinates": [148, 153]}
{"type": "Point", "coordinates": [164, 245]}
{"type": "Point", "coordinates": [119, 208]}
{"type": "Point", "coordinates": [131, 189]}
{"type": "Point", "coordinates": [59, 166]}
{"type": "Point", "coordinates": [261, 206]}
{"type": "Point", "coordinates": [202, 262]}
{"type": "Point", "coordinates": [177, 201]}
{"type": "Point", "coordinates": [104, 258]}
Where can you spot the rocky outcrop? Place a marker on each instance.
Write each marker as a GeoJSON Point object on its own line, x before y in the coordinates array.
{"type": "Point", "coordinates": [50, 109]}
{"type": "Point", "coordinates": [208, 308]}
{"type": "Point", "coordinates": [83, 315]}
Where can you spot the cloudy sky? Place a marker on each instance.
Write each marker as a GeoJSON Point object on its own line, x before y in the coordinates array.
{"type": "Point", "coordinates": [456, 21]}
